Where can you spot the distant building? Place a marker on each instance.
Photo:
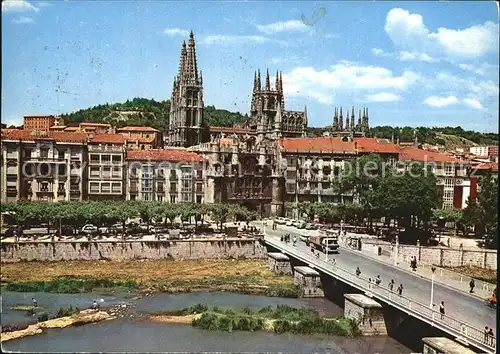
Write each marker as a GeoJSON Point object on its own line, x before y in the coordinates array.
{"type": "Point", "coordinates": [480, 150]}
{"type": "Point", "coordinates": [141, 138]}
{"type": "Point", "coordinates": [38, 122]}
{"type": "Point", "coordinates": [351, 127]}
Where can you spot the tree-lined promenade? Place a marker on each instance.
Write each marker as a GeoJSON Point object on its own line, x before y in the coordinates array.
{"type": "Point", "coordinates": [108, 213]}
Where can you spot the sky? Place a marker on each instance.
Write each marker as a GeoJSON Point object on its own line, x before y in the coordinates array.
{"type": "Point", "coordinates": [411, 63]}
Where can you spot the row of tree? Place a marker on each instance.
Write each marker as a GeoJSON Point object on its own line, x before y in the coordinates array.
{"type": "Point", "coordinates": [107, 213]}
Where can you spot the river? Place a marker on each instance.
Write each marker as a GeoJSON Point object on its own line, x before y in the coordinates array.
{"type": "Point", "coordinates": [131, 334]}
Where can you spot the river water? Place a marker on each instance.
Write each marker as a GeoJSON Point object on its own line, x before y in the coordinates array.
{"type": "Point", "coordinates": [131, 334]}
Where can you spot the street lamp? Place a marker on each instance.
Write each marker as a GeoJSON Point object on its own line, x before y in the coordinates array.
{"type": "Point", "coordinates": [396, 251]}
{"type": "Point", "coordinates": [432, 287]}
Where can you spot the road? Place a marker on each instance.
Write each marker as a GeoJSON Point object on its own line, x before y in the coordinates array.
{"type": "Point", "coordinates": [457, 304]}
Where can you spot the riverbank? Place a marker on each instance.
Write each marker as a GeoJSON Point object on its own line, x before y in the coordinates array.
{"type": "Point", "coordinates": [81, 318]}
{"type": "Point", "coordinates": [486, 275]}
{"type": "Point", "coordinates": [170, 276]}
{"type": "Point", "coordinates": [282, 319]}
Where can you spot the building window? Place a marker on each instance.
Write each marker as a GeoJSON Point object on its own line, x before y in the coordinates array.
{"type": "Point", "coordinates": [173, 198]}
{"type": "Point", "coordinates": [60, 154]}
{"type": "Point", "coordinates": [94, 158]}
{"type": "Point", "coordinates": [448, 199]}
{"type": "Point", "coordinates": [44, 153]}
{"type": "Point", "coordinates": [160, 198]}
{"type": "Point", "coordinates": [105, 188]}
{"type": "Point", "coordinates": [61, 186]}
{"type": "Point", "coordinates": [449, 170]}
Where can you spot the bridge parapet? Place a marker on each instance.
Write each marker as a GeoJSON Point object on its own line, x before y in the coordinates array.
{"type": "Point", "coordinates": [308, 281]}
{"type": "Point", "coordinates": [435, 345]}
{"type": "Point", "coordinates": [279, 263]}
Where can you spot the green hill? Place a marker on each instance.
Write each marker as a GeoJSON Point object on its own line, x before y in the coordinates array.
{"type": "Point", "coordinates": [145, 112]}
{"type": "Point", "coordinates": [152, 113]}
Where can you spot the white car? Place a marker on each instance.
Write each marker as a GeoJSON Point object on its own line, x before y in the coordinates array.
{"type": "Point", "coordinates": [89, 229]}
{"type": "Point", "coordinates": [289, 223]}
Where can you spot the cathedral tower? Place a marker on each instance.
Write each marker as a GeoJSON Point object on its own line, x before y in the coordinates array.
{"type": "Point", "coordinates": [186, 108]}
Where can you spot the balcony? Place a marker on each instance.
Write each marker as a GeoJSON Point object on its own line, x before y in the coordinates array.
{"type": "Point", "coordinates": [328, 191]}
{"type": "Point", "coordinates": [133, 189]}
{"type": "Point", "coordinates": [105, 148]}
{"type": "Point", "coordinates": [45, 190]}
{"type": "Point", "coordinates": [45, 159]}
{"type": "Point", "coordinates": [305, 190]}
{"type": "Point", "coordinates": [61, 191]}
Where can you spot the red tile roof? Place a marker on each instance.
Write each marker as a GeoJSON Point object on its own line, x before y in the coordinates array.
{"type": "Point", "coordinates": [141, 140]}
{"type": "Point", "coordinates": [175, 155]}
{"type": "Point", "coordinates": [30, 135]}
{"type": "Point", "coordinates": [376, 146]}
{"type": "Point", "coordinates": [415, 154]}
{"type": "Point", "coordinates": [38, 116]}
{"type": "Point", "coordinates": [71, 129]}
{"type": "Point", "coordinates": [229, 130]}
{"type": "Point", "coordinates": [487, 166]}
{"type": "Point", "coordinates": [317, 145]}
{"type": "Point", "coordinates": [95, 124]}
{"type": "Point", "coordinates": [107, 139]}
{"type": "Point", "coordinates": [137, 129]}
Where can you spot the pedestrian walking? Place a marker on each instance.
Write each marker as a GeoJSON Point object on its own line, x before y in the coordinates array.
{"type": "Point", "coordinates": [472, 285]}
{"type": "Point", "coordinates": [486, 335]}
{"type": "Point", "coordinates": [334, 262]}
{"type": "Point", "coordinates": [369, 283]}
{"type": "Point", "coordinates": [391, 285]}
{"type": "Point", "coordinates": [441, 310]}
{"type": "Point", "coordinates": [378, 280]}
{"type": "Point", "coordinates": [35, 303]}
{"type": "Point", "coordinates": [358, 271]}
{"type": "Point", "coordinates": [490, 337]}
{"type": "Point", "coordinates": [400, 289]}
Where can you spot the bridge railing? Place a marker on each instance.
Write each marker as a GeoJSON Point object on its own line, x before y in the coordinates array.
{"type": "Point", "coordinates": [460, 328]}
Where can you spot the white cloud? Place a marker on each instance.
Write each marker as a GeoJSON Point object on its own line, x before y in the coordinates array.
{"type": "Point", "coordinates": [13, 120]}
{"type": "Point", "coordinates": [43, 4]}
{"type": "Point", "coordinates": [409, 34]}
{"type": "Point", "coordinates": [383, 97]}
{"type": "Point", "coordinates": [173, 32]}
{"type": "Point", "coordinates": [416, 56]}
{"type": "Point", "coordinates": [17, 6]}
{"type": "Point", "coordinates": [308, 82]}
{"type": "Point", "coordinates": [380, 53]}
{"type": "Point", "coordinates": [287, 26]}
{"type": "Point", "coordinates": [474, 103]}
{"type": "Point", "coordinates": [222, 39]}
{"type": "Point", "coordinates": [483, 69]}
{"type": "Point", "coordinates": [436, 101]}
{"type": "Point", "coordinates": [23, 20]}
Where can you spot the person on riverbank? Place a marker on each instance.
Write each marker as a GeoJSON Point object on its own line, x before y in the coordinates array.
{"type": "Point", "coordinates": [441, 310]}
{"type": "Point", "coordinates": [95, 305]}
{"type": "Point", "coordinates": [35, 303]}
{"type": "Point", "coordinates": [358, 271]}
{"type": "Point", "coordinates": [400, 289]}
{"type": "Point", "coordinates": [472, 285]}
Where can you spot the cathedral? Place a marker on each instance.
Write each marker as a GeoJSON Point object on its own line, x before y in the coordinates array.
{"type": "Point", "coordinates": [246, 163]}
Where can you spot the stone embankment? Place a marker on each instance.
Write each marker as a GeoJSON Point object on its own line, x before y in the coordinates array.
{"type": "Point", "coordinates": [129, 250]}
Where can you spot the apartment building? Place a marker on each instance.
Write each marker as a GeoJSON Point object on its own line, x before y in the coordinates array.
{"type": "Point", "coordinates": [452, 174]}
{"type": "Point", "coordinates": [42, 165]}
{"type": "Point", "coordinates": [141, 138]}
{"type": "Point", "coordinates": [479, 150]}
{"type": "Point", "coordinates": [38, 122]}
{"type": "Point", "coordinates": [106, 172]}
{"type": "Point", "coordinates": [170, 175]}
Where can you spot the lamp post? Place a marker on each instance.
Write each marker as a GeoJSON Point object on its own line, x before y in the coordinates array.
{"type": "Point", "coordinates": [396, 251]}
{"type": "Point", "coordinates": [432, 287]}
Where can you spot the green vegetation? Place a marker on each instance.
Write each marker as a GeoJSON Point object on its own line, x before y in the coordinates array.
{"type": "Point", "coordinates": [69, 285]}
{"type": "Point", "coordinates": [146, 112]}
{"type": "Point", "coordinates": [24, 308]}
{"type": "Point", "coordinates": [108, 213]}
{"type": "Point", "coordinates": [282, 319]}
{"type": "Point", "coordinates": [61, 312]}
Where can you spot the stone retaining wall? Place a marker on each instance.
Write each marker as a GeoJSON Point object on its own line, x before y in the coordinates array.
{"type": "Point", "coordinates": [128, 250]}
{"type": "Point", "coordinates": [439, 256]}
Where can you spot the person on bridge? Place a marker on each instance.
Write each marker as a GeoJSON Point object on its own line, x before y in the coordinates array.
{"type": "Point", "coordinates": [378, 280]}
{"type": "Point", "coordinates": [441, 310]}
{"type": "Point", "coordinates": [294, 241]}
{"type": "Point", "coordinates": [472, 285]}
{"type": "Point", "coordinates": [486, 331]}
{"type": "Point", "coordinates": [490, 337]}
{"type": "Point", "coordinates": [358, 271]}
{"type": "Point", "coordinates": [400, 289]}
{"type": "Point", "coordinates": [391, 285]}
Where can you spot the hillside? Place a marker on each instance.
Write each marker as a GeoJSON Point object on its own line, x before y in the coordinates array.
{"type": "Point", "coordinates": [145, 112]}
{"type": "Point", "coordinates": [149, 112]}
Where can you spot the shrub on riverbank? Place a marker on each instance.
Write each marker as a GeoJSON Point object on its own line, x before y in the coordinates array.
{"type": "Point", "coordinates": [69, 285]}
{"type": "Point", "coordinates": [282, 319]}
{"type": "Point", "coordinates": [13, 327]}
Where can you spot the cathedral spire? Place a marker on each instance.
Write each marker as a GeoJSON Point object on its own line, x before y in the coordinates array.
{"type": "Point", "coordinates": [268, 82]}
{"type": "Point", "coordinates": [182, 60]}
{"type": "Point", "coordinates": [192, 68]}
{"type": "Point", "coordinates": [352, 118]}
{"type": "Point", "coordinates": [341, 120]}
{"type": "Point", "coordinates": [281, 81]}
{"type": "Point", "coordinates": [258, 80]}
{"type": "Point", "coordinates": [277, 82]}
{"type": "Point", "coordinates": [254, 81]}
{"type": "Point", "coordinates": [359, 121]}
{"type": "Point", "coordinates": [335, 120]}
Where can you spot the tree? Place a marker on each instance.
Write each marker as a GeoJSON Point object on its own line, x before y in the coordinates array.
{"type": "Point", "coordinates": [220, 213]}
{"type": "Point", "coordinates": [488, 205]}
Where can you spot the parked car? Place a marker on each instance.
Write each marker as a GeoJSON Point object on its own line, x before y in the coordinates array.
{"type": "Point", "coordinates": [289, 223]}
{"type": "Point", "coordinates": [89, 229]}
